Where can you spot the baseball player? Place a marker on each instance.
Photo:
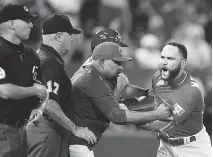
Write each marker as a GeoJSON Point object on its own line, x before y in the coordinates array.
{"type": "Point", "coordinates": [130, 91]}
{"type": "Point", "coordinates": [93, 103]}
{"type": "Point", "coordinates": [20, 80]}
{"type": "Point", "coordinates": [48, 138]}
{"type": "Point", "coordinates": [186, 135]}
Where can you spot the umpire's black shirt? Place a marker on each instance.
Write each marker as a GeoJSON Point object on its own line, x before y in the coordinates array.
{"type": "Point", "coordinates": [54, 76]}
{"type": "Point", "coordinates": [19, 65]}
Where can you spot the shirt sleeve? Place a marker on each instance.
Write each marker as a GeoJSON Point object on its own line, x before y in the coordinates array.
{"type": "Point", "coordinates": [4, 60]}
{"type": "Point", "coordinates": [51, 72]}
{"type": "Point", "coordinates": [105, 101]}
{"type": "Point", "coordinates": [184, 105]}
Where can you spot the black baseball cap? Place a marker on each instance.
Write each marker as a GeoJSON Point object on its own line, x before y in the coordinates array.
{"type": "Point", "coordinates": [109, 50]}
{"type": "Point", "coordinates": [13, 12]}
{"type": "Point", "coordinates": [108, 35]}
{"type": "Point", "coordinates": [58, 23]}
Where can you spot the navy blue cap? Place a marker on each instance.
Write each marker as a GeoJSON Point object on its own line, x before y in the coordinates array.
{"type": "Point", "coordinates": [108, 35]}
{"type": "Point", "coordinates": [58, 23]}
{"type": "Point", "coordinates": [13, 12]}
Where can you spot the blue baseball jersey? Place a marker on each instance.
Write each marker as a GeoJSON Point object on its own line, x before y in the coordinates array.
{"type": "Point", "coordinates": [187, 102]}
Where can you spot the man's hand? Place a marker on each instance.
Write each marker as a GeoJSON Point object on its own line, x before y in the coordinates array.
{"type": "Point", "coordinates": [41, 91]}
{"type": "Point", "coordinates": [35, 115]}
{"type": "Point", "coordinates": [150, 93]}
{"type": "Point", "coordinates": [164, 112]}
{"type": "Point", "coordinates": [85, 133]}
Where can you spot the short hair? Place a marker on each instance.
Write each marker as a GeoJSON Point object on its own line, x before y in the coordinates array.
{"type": "Point", "coordinates": [182, 49]}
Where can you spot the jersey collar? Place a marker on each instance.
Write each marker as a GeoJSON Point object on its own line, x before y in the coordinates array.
{"type": "Point", "coordinates": [179, 80]}
{"type": "Point", "coordinates": [13, 47]}
{"type": "Point", "coordinates": [52, 51]}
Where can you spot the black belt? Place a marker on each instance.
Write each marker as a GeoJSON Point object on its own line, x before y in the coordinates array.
{"type": "Point", "coordinates": [13, 122]}
{"type": "Point", "coordinates": [178, 141]}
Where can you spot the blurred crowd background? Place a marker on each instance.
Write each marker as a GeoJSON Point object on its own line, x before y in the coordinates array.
{"type": "Point", "coordinates": [145, 25]}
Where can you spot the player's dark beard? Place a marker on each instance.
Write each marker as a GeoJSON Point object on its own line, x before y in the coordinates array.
{"type": "Point", "coordinates": [173, 73]}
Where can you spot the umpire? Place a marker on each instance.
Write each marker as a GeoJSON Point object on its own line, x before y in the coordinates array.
{"type": "Point", "coordinates": [48, 138]}
{"type": "Point", "coordinates": [20, 88]}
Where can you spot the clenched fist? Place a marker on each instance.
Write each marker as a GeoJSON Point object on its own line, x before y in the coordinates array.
{"type": "Point", "coordinates": [41, 91]}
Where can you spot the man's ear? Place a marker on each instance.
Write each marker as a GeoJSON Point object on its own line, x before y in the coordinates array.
{"type": "Point", "coordinates": [58, 36]}
{"type": "Point", "coordinates": [183, 64]}
{"type": "Point", "coordinates": [102, 63]}
{"type": "Point", "coordinates": [12, 25]}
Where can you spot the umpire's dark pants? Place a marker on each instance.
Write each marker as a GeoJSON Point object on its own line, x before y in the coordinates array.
{"type": "Point", "coordinates": [47, 139]}
{"type": "Point", "coordinates": [13, 141]}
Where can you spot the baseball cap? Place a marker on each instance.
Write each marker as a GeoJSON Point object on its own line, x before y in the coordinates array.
{"type": "Point", "coordinates": [108, 35]}
{"type": "Point", "coordinates": [58, 23]}
{"type": "Point", "coordinates": [13, 12]}
{"type": "Point", "coordinates": [109, 50]}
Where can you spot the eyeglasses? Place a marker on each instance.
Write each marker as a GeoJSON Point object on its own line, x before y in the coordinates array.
{"type": "Point", "coordinates": [119, 63]}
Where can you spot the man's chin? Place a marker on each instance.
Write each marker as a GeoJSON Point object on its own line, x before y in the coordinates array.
{"type": "Point", "coordinates": [165, 77]}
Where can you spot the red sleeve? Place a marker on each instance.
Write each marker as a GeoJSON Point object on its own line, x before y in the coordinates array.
{"type": "Point", "coordinates": [184, 105]}
{"type": "Point", "coordinates": [103, 99]}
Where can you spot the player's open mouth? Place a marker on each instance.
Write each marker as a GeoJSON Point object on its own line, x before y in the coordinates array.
{"type": "Point", "coordinates": [165, 71]}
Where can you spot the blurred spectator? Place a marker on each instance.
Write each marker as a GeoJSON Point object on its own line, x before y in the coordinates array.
{"type": "Point", "coordinates": [208, 31]}
{"type": "Point", "coordinates": [89, 16]}
{"type": "Point", "coordinates": [140, 19]}
{"type": "Point", "coordinates": [199, 51]}
{"type": "Point", "coordinates": [109, 10]}
{"type": "Point", "coordinates": [148, 55]}
{"type": "Point", "coordinates": [145, 63]}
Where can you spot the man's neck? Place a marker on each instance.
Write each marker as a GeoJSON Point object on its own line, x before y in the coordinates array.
{"type": "Point", "coordinates": [11, 38]}
{"type": "Point", "coordinates": [56, 47]}
{"type": "Point", "coordinates": [53, 45]}
{"type": "Point", "coordinates": [178, 76]}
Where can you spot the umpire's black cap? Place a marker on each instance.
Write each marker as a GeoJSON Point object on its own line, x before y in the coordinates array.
{"type": "Point", "coordinates": [58, 23]}
{"type": "Point", "coordinates": [13, 12]}
{"type": "Point", "coordinates": [108, 35]}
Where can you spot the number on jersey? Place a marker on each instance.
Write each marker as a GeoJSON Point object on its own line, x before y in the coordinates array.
{"type": "Point", "coordinates": [52, 86]}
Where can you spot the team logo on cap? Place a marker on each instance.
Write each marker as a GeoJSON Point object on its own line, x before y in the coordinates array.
{"type": "Point", "coordinates": [25, 8]}
{"type": "Point", "coordinates": [120, 50]}
{"type": "Point", "coordinates": [2, 73]}
{"type": "Point", "coordinates": [103, 36]}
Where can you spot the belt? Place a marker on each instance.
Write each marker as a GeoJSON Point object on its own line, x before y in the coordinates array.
{"type": "Point", "coordinates": [13, 122]}
{"type": "Point", "coordinates": [177, 141]}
